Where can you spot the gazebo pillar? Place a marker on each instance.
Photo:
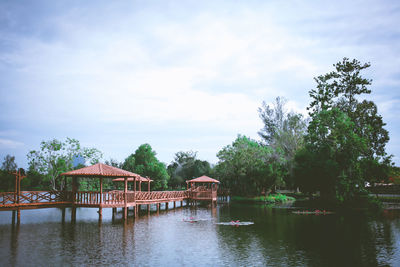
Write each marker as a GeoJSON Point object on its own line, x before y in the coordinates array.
{"type": "Point", "coordinates": [134, 196]}
{"type": "Point", "coordinates": [74, 189]}
{"type": "Point", "coordinates": [125, 198]}
{"type": "Point", "coordinates": [148, 185]}
{"type": "Point", "coordinates": [140, 186]}
{"type": "Point", "coordinates": [101, 199]}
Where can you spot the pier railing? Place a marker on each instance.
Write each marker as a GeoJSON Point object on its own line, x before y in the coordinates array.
{"type": "Point", "coordinates": [161, 195]}
{"type": "Point", "coordinates": [33, 197]}
{"type": "Point", "coordinates": [93, 198]}
{"type": "Point", "coordinates": [202, 195]}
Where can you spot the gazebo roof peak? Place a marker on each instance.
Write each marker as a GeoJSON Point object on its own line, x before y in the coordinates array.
{"type": "Point", "coordinates": [100, 170]}
{"type": "Point", "coordinates": [203, 179]}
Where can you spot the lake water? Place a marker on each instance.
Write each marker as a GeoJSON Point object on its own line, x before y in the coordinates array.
{"type": "Point", "coordinates": [277, 238]}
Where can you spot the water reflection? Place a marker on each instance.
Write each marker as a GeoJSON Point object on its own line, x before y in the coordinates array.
{"type": "Point", "coordinates": [277, 238]}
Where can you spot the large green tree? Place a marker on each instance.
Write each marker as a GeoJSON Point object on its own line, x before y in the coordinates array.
{"type": "Point", "coordinates": [186, 166]}
{"type": "Point", "coordinates": [284, 132]}
{"type": "Point", "coordinates": [345, 138]}
{"type": "Point", "coordinates": [145, 163]}
{"type": "Point", "coordinates": [248, 168]}
{"type": "Point", "coordinates": [55, 157]}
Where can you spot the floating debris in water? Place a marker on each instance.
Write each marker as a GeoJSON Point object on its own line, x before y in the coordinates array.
{"type": "Point", "coordinates": [193, 220]}
{"type": "Point", "coordinates": [235, 223]}
{"type": "Point", "coordinates": [315, 212]}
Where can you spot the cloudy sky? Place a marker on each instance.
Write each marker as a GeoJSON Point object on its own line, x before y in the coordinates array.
{"type": "Point", "coordinates": [179, 75]}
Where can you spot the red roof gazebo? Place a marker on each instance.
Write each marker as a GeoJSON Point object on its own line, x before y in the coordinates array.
{"type": "Point", "coordinates": [101, 171]}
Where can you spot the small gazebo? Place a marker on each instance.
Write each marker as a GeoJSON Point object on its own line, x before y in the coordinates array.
{"type": "Point", "coordinates": [202, 182]}
{"type": "Point", "coordinates": [203, 188]}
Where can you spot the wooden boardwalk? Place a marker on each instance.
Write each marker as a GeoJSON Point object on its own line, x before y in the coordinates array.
{"type": "Point", "coordinates": [125, 199]}
{"type": "Point", "coordinates": [91, 199]}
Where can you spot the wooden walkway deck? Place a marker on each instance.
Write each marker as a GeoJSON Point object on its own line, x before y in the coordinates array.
{"type": "Point", "coordinates": [89, 199]}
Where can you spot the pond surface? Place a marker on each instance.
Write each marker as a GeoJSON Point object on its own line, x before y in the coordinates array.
{"type": "Point", "coordinates": [277, 238]}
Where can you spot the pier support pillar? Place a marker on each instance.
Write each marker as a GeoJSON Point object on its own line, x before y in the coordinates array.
{"type": "Point", "coordinates": [73, 215]}
{"type": "Point", "coordinates": [174, 204]}
{"type": "Point", "coordinates": [18, 216]}
{"type": "Point", "coordinates": [100, 213]}
{"type": "Point", "coordinates": [166, 206]}
{"type": "Point", "coordinates": [125, 213]}
{"type": "Point", "coordinates": [13, 217]}
{"type": "Point", "coordinates": [63, 215]}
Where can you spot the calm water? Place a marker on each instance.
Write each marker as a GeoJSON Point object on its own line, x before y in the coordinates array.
{"type": "Point", "coordinates": [277, 238]}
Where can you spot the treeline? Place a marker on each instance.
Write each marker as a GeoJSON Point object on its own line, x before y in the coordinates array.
{"type": "Point", "coordinates": [334, 151]}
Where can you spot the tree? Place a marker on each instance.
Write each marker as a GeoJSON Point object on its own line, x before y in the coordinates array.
{"type": "Point", "coordinates": [330, 160]}
{"type": "Point", "coordinates": [284, 132]}
{"type": "Point", "coordinates": [56, 157]}
{"type": "Point", "coordinates": [9, 164]}
{"type": "Point", "coordinates": [185, 167]}
{"type": "Point", "coordinates": [345, 136]}
{"type": "Point", "coordinates": [7, 179]}
{"type": "Point", "coordinates": [248, 168]}
{"type": "Point", "coordinates": [145, 163]}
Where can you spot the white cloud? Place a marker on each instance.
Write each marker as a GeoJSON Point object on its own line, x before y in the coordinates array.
{"type": "Point", "coordinates": [9, 144]}
{"type": "Point", "coordinates": [209, 66]}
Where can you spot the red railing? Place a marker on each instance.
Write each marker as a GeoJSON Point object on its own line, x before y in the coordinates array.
{"type": "Point", "coordinates": [34, 197]}
{"type": "Point", "coordinates": [160, 195]}
{"type": "Point", "coordinates": [203, 194]}
{"type": "Point", "coordinates": [10, 199]}
{"type": "Point", "coordinates": [93, 198]}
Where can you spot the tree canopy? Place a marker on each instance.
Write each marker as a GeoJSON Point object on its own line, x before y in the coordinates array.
{"type": "Point", "coordinates": [345, 140]}
{"type": "Point", "coordinates": [283, 132]}
{"type": "Point", "coordinates": [56, 157]}
{"type": "Point", "coordinates": [247, 167]}
{"type": "Point", "coordinates": [145, 163]}
{"type": "Point", "coordinates": [185, 167]}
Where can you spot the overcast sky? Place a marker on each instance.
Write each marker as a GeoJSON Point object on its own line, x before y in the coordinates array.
{"type": "Point", "coordinates": [179, 75]}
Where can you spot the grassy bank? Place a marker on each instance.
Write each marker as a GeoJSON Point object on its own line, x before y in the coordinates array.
{"type": "Point", "coordinates": [273, 198]}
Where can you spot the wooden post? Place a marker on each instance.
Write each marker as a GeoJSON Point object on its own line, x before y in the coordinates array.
{"type": "Point", "coordinates": [174, 204]}
{"type": "Point", "coordinates": [63, 215]}
{"type": "Point", "coordinates": [18, 216]}
{"type": "Point", "coordinates": [148, 185]}
{"type": "Point", "coordinates": [166, 205]}
{"type": "Point", "coordinates": [13, 217]}
{"type": "Point", "coordinates": [140, 186]}
{"type": "Point", "coordinates": [125, 198]}
{"type": "Point", "coordinates": [74, 189]}
{"type": "Point", "coordinates": [101, 199]}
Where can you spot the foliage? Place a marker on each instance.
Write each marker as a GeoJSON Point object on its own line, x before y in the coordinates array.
{"type": "Point", "coordinates": [272, 198]}
{"type": "Point", "coordinates": [9, 164]}
{"type": "Point", "coordinates": [185, 167]}
{"type": "Point", "coordinates": [145, 163]}
{"type": "Point", "coordinates": [7, 179]}
{"type": "Point", "coordinates": [284, 132]}
{"type": "Point", "coordinates": [56, 157]}
{"type": "Point", "coordinates": [345, 141]}
{"type": "Point", "coordinates": [248, 168]}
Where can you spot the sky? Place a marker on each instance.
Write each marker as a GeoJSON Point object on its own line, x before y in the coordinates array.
{"type": "Point", "coordinates": [180, 75]}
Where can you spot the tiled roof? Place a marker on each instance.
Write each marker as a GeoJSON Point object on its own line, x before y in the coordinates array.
{"type": "Point", "coordinates": [139, 179]}
{"type": "Point", "coordinates": [203, 179]}
{"type": "Point", "coordinates": [100, 170]}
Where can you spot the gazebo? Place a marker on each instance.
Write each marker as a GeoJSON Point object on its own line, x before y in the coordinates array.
{"type": "Point", "coordinates": [203, 188]}
{"type": "Point", "coordinates": [101, 171]}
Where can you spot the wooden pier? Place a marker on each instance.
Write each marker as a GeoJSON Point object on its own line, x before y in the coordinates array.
{"type": "Point", "coordinates": [125, 199]}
